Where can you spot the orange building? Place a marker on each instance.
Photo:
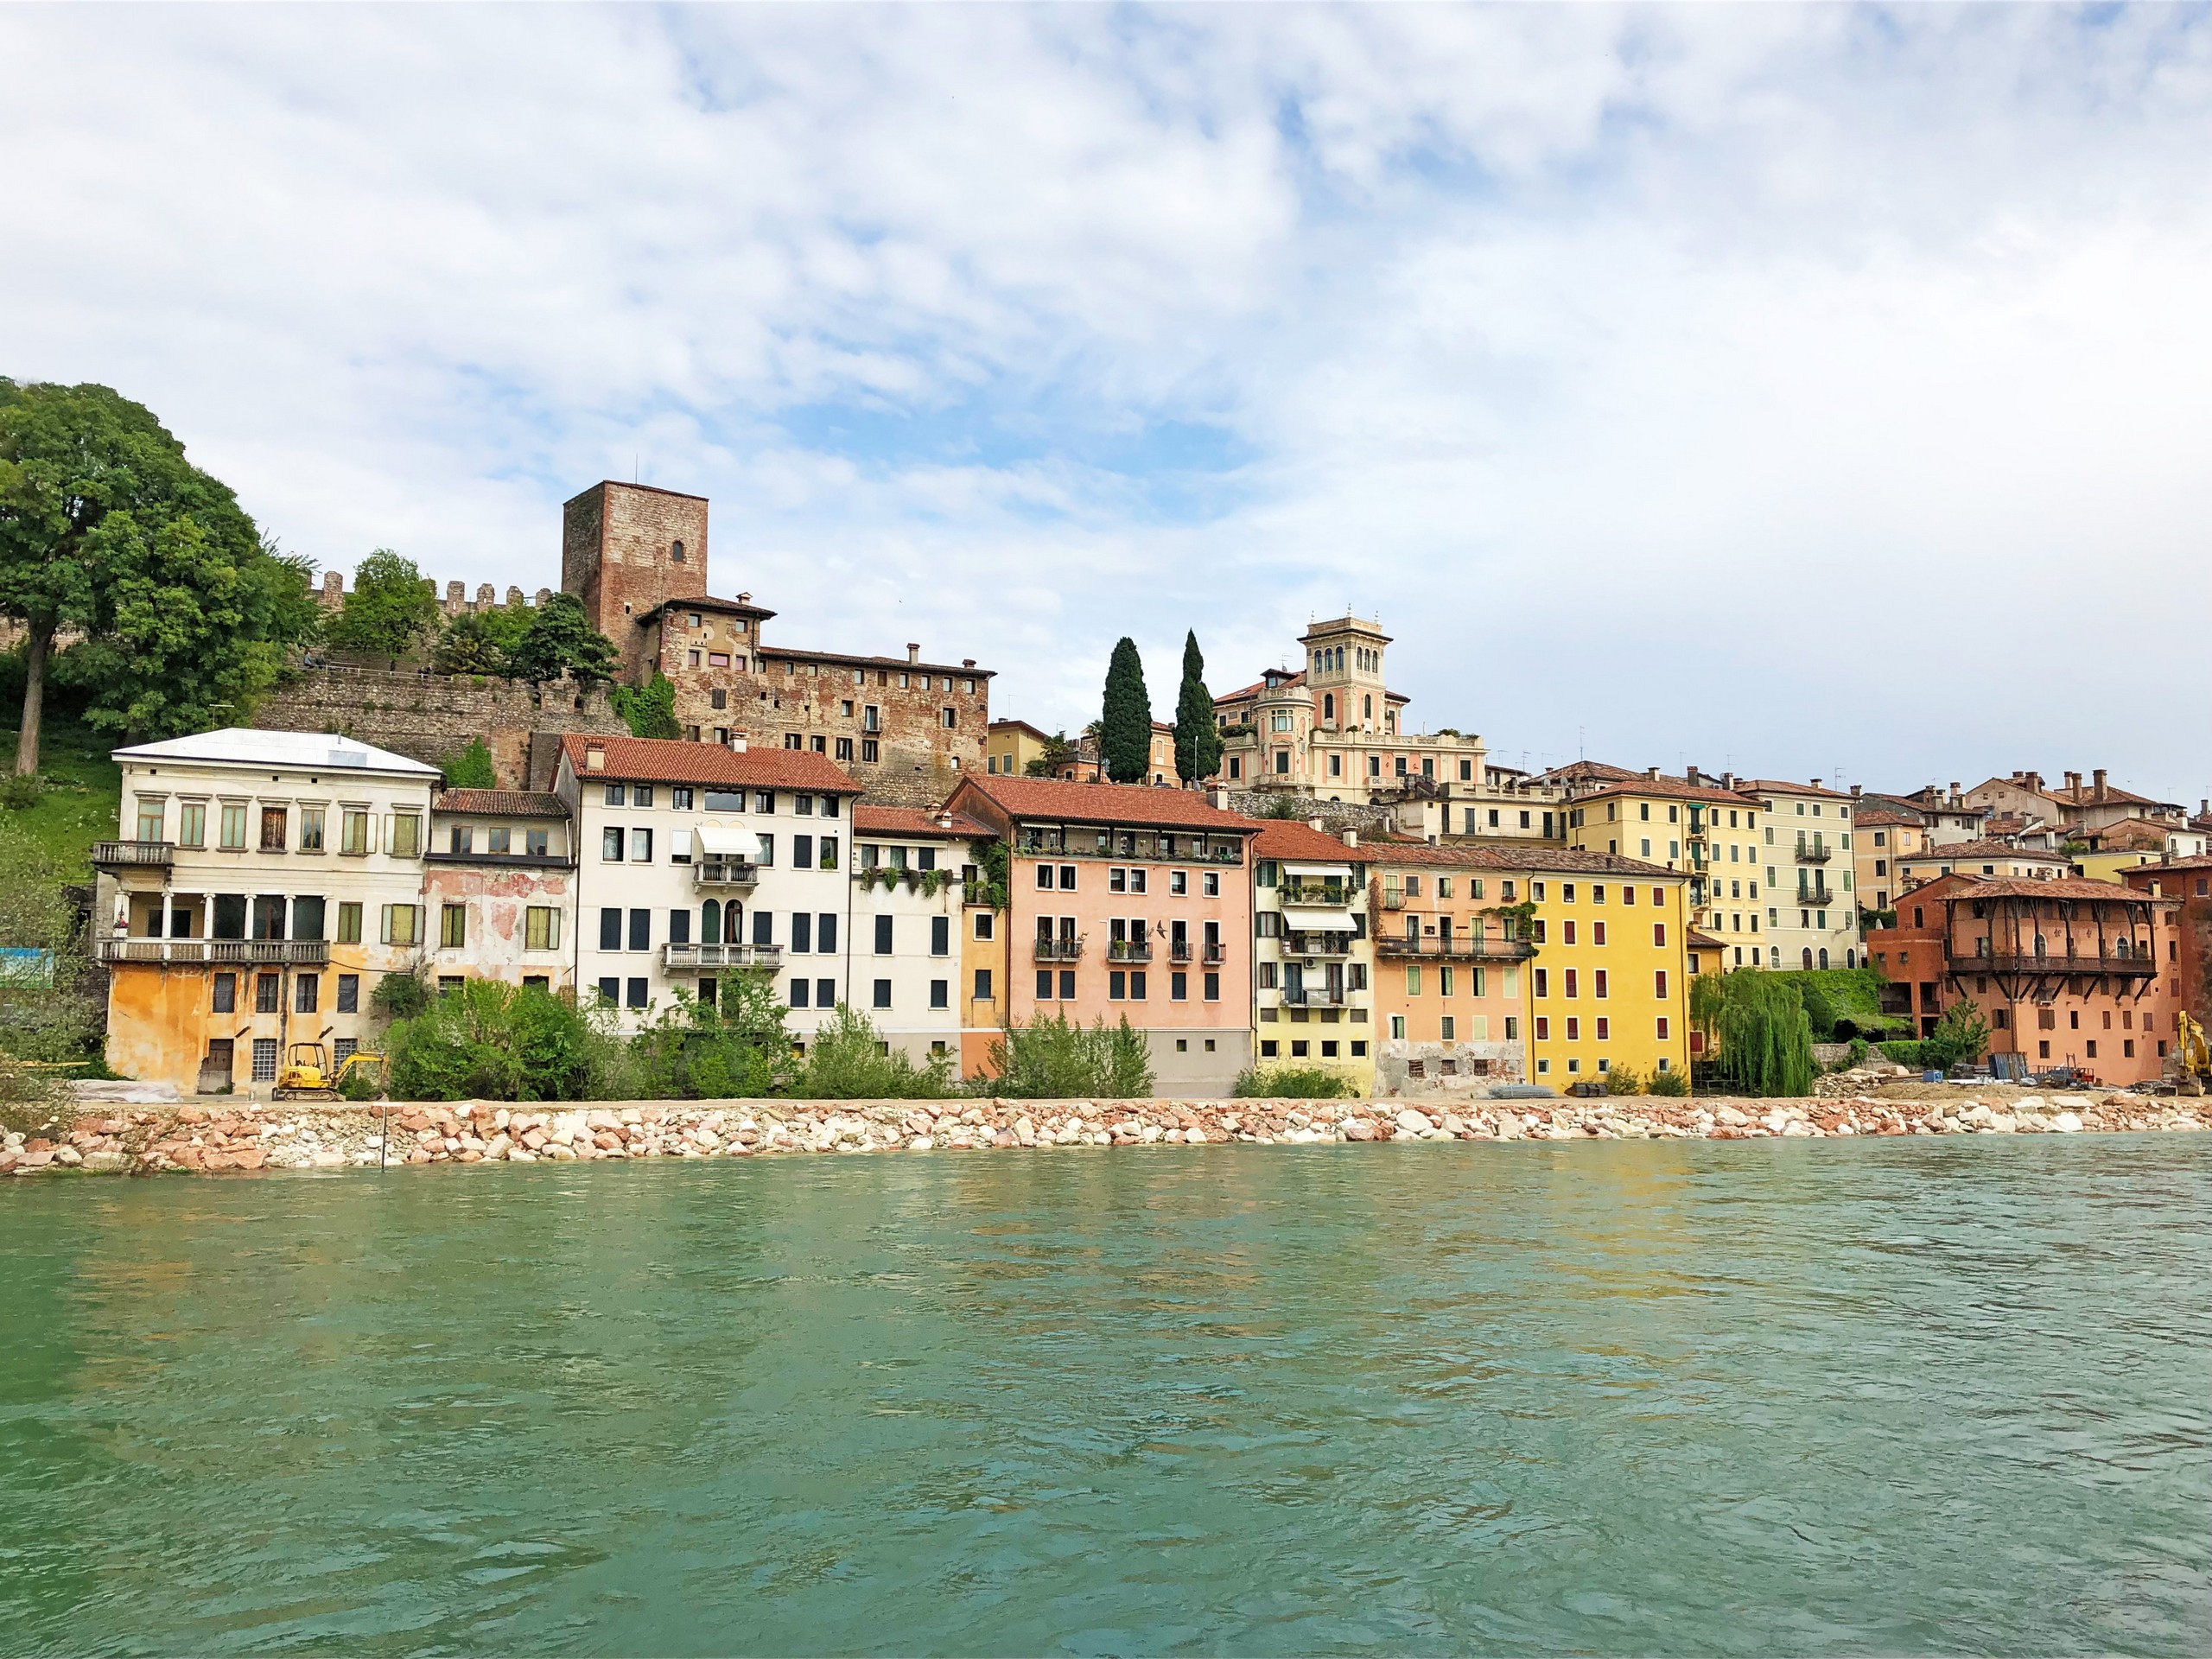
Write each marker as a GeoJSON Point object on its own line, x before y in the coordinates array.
{"type": "Point", "coordinates": [2188, 882]}
{"type": "Point", "coordinates": [1125, 900]}
{"type": "Point", "coordinates": [2067, 972]}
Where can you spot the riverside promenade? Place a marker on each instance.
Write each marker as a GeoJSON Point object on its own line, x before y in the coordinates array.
{"type": "Point", "coordinates": [224, 1137]}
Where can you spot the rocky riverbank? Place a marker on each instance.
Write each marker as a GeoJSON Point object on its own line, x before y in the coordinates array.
{"type": "Point", "coordinates": [145, 1139]}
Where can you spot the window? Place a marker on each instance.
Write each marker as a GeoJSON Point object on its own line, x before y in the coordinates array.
{"type": "Point", "coordinates": [1658, 930]}
{"type": "Point", "coordinates": [641, 846]}
{"type": "Point", "coordinates": [610, 991]}
{"type": "Point", "coordinates": [611, 843]}
{"type": "Point", "coordinates": [406, 834]}
{"type": "Point", "coordinates": [1659, 984]}
{"type": "Point", "coordinates": [192, 824]}
{"type": "Point", "coordinates": [984, 930]}
{"type": "Point", "coordinates": [453, 926]}
{"type": "Point", "coordinates": [636, 994]}
{"type": "Point", "coordinates": [306, 993]}
{"type": "Point", "coordinates": [1213, 988]}
{"type": "Point", "coordinates": [641, 929]}
{"type": "Point", "coordinates": [982, 984]}
{"type": "Point", "coordinates": [679, 926]}
{"type": "Point", "coordinates": [1598, 982]}
{"type": "Point", "coordinates": [268, 994]}
{"type": "Point", "coordinates": [882, 994]}
{"type": "Point", "coordinates": [940, 936]}
{"type": "Point", "coordinates": [1543, 1028]}
{"type": "Point", "coordinates": [264, 1059]}
{"type": "Point", "coordinates": [534, 843]}
{"type": "Point", "coordinates": [1662, 1034]}
{"type": "Point", "coordinates": [349, 993]}
{"type": "Point", "coordinates": [349, 923]}
{"type": "Point", "coordinates": [825, 933]}
{"type": "Point", "coordinates": [402, 924]}
{"type": "Point", "coordinates": [226, 993]}
{"type": "Point", "coordinates": [152, 811]}
{"type": "Point", "coordinates": [233, 839]}
{"type": "Point", "coordinates": [460, 838]}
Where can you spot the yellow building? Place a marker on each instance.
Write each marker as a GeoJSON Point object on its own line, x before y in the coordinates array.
{"type": "Point", "coordinates": [1603, 941]}
{"type": "Point", "coordinates": [1710, 834]}
{"type": "Point", "coordinates": [1009, 746]}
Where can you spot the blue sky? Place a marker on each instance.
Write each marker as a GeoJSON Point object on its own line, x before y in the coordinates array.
{"type": "Point", "coordinates": [1803, 391]}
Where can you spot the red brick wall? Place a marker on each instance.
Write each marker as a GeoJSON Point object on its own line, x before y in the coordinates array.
{"type": "Point", "coordinates": [618, 543]}
{"type": "Point", "coordinates": [2189, 931]}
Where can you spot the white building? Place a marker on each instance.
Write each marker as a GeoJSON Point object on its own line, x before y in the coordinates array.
{"type": "Point", "coordinates": [1812, 915]}
{"type": "Point", "coordinates": [263, 883]}
{"type": "Point", "coordinates": [911, 872]}
{"type": "Point", "coordinates": [499, 886]}
{"type": "Point", "coordinates": [693, 859]}
{"type": "Point", "coordinates": [1313, 960]}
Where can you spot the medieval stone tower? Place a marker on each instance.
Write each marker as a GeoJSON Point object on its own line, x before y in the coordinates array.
{"type": "Point", "coordinates": [627, 550]}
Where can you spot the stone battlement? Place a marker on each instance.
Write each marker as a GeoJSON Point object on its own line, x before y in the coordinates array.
{"type": "Point", "coordinates": [332, 594]}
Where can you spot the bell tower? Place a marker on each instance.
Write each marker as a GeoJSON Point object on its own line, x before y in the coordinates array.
{"type": "Point", "coordinates": [1343, 666]}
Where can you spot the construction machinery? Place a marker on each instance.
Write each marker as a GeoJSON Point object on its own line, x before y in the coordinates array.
{"type": "Point", "coordinates": [2191, 1064]}
{"type": "Point", "coordinates": [306, 1073]}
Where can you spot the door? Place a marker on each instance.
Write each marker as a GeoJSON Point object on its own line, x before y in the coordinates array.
{"type": "Point", "coordinates": [1293, 983]}
{"type": "Point", "coordinates": [215, 1068]}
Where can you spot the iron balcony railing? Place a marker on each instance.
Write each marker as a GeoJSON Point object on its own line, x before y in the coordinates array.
{"type": "Point", "coordinates": [1128, 951]}
{"type": "Point", "coordinates": [1815, 896]}
{"type": "Point", "coordinates": [1814, 852]}
{"type": "Point", "coordinates": [1217, 954]}
{"type": "Point", "coordinates": [726, 873]}
{"type": "Point", "coordinates": [1331, 896]}
{"type": "Point", "coordinates": [722, 955]}
{"type": "Point", "coordinates": [1059, 950]}
{"type": "Point", "coordinates": [188, 952]}
{"type": "Point", "coordinates": [1314, 996]}
{"type": "Point", "coordinates": [1299, 944]}
{"type": "Point", "coordinates": [1178, 950]}
{"type": "Point", "coordinates": [1460, 947]}
{"type": "Point", "coordinates": [128, 854]}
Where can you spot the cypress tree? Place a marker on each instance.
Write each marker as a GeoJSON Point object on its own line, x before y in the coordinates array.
{"type": "Point", "coordinates": [1197, 736]}
{"type": "Point", "coordinates": [1125, 724]}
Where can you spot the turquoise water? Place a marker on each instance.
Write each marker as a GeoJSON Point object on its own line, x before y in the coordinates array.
{"type": "Point", "coordinates": [1681, 1397]}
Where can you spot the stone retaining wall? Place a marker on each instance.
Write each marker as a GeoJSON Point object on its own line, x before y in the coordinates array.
{"type": "Point", "coordinates": [294, 1135]}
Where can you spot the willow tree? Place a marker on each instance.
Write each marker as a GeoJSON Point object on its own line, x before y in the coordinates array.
{"type": "Point", "coordinates": [1766, 1041]}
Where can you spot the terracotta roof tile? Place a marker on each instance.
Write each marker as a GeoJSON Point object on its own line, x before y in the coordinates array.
{"type": "Point", "coordinates": [1283, 838]}
{"type": "Point", "coordinates": [1514, 855]}
{"type": "Point", "coordinates": [1671, 789]}
{"type": "Point", "coordinates": [501, 803]}
{"type": "Point", "coordinates": [1984, 849]}
{"type": "Point", "coordinates": [655, 759]}
{"type": "Point", "coordinates": [917, 821]}
{"type": "Point", "coordinates": [1780, 787]}
{"type": "Point", "coordinates": [1140, 804]}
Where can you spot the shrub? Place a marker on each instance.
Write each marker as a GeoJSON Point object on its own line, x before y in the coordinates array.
{"type": "Point", "coordinates": [1289, 1083]}
{"type": "Point", "coordinates": [1914, 1054]}
{"type": "Point", "coordinates": [487, 1040]}
{"type": "Point", "coordinates": [1624, 1080]}
{"type": "Point", "coordinates": [1856, 1054]}
{"type": "Point", "coordinates": [848, 1060]}
{"type": "Point", "coordinates": [1673, 1084]}
{"type": "Point", "coordinates": [1820, 1008]}
{"type": "Point", "coordinates": [19, 791]}
{"type": "Point", "coordinates": [472, 768]}
{"type": "Point", "coordinates": [1054, 1059]}
{"type": "Point", "coordinates": [31, 1103]}
{"type": "Point", "coordinates": [400, 996]}
{"type": "Point", "coordinates": [1961, 1037]}
{"type": "Point", "coordinates": [734, 1048]}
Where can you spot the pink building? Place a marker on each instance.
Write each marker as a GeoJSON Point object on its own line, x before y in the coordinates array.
{"type": "Point", "coordinates": [1128, 900]}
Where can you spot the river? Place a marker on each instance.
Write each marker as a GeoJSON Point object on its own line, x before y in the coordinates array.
{"type": "Point", "coordinates": [1793, 1398]}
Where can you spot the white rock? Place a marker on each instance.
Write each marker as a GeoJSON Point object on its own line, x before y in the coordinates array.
{"type": "Point", "coordinates": [1732, 1117]}
{"type": "Point", "coordinates": [1413, 1123]}
{"type": "Point", "coordinates": [1194, 1137]}
{"type": "Point", "coordinates": [2066, 1123]}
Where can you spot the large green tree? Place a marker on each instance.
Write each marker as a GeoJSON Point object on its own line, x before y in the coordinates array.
{"type": "Point", "coordinates": [561, 642]}
{"type": "Point", "coordinates": [1125, 723]}
{"type": "Point", "coordinates": [391, 611]}
{"type": "Point", "coordinates": [107, 531]}
{"type": "Point", "coordinates": [1198, 734]}
{"type": "Point", "coordinates": [482, 642]}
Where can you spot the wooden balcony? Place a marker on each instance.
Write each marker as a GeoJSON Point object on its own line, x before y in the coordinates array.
{"type": "Point", "coordinates": [2132, 967]}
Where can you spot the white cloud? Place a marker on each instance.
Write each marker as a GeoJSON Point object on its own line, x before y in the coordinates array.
{"type": "Point", "coordinates": [1796, 388]}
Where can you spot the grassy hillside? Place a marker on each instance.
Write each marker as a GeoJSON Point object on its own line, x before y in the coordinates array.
{"type": "Point", "coordinates": [79, 790]}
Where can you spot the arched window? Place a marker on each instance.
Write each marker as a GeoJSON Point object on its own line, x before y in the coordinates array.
{"type": "Point", "coordinates": [1851, 958]}
{"type": "Point", "coordinates": [1370, 711]}
{"type": "Point", "coordinates": [676, 553]}
{"type": "Point", "coordinates": [1328, 705]}
{"type": "Point", "coordinates": [1809, 956]}
{"type": "Point", "coordinates": [2041, 950]}
{"type": "Point", "coordinates": [1824, 956]}
{"type": "Point", "coordinates": [710, 922]}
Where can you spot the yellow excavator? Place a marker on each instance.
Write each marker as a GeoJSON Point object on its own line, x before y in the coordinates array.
{"type": "Point", "coordinates": [2192, 1057]}
{"type": "Point", "coordinates": [306, 1073]}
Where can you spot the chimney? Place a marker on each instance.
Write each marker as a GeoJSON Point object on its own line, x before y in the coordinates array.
{"type": "Point", "coordinates": [2099, 774]}
{"type": "Point", "coordinates": [967, 662]}
{"type": "Point", "coordinates": [594, 758]}
{"type": "Point", "coordinates": [745, 599]}
{"type": "Point", "coordinates": [737, 743]}
{"type": "Point", "coordinates": [914, 651]}
{"type": "Point", "coordinates": [1816, 783]}
{"type": "Point", "coordinates": [944, 820]}
{"type": "Point", "coordinates": [1855, 788]}
{"type": "Point", "coordinates": [1955, 792]}
{"type": "Point", "coordinates": [1313, 823]}
{"type": "Point", "coordinates": [2073, 782]}
{"type": "Point", "coordinates": [1652, 772]}
{"type": "Point", "coordinates": [1727, 780]}
{"type": "Point", "coordinates": [1218, 800]}
{"type": "Point", "coordinates": [1351, 837]}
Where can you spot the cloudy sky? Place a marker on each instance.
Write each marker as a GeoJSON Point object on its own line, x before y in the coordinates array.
{"type": "Point", "coordinates": [1811, 392]}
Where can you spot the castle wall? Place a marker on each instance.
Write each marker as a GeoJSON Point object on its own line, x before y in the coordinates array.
{"type": "Point", "coordinates": [431, 717]}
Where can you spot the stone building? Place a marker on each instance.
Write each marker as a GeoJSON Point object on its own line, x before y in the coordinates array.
{"type": "Point", "coordinates": [907, 729]}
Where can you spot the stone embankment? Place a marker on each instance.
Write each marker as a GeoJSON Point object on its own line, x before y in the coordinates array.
{"type": "Point", "coordinates": [291, 1135]}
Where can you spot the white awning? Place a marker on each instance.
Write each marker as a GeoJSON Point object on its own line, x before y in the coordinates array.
{"type": "Point", "coordinates": [715, 841]}
{"type": "Point", "coordinates": [1341, 872]}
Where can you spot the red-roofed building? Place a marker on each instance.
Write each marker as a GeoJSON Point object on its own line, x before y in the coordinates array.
{"type": "Point", "coordinates": [1125, 900]}
{"type": "Point", "coordinates": [1314, 964]}
{"type": "Point", "coordinates": [2068, 972]}
{"type": "Point", "coordinates": [2188, 883]}
{"type": "Point", "coordinates": [695, 859]}
{"type": "Point", "coordinates": [928, 962]}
